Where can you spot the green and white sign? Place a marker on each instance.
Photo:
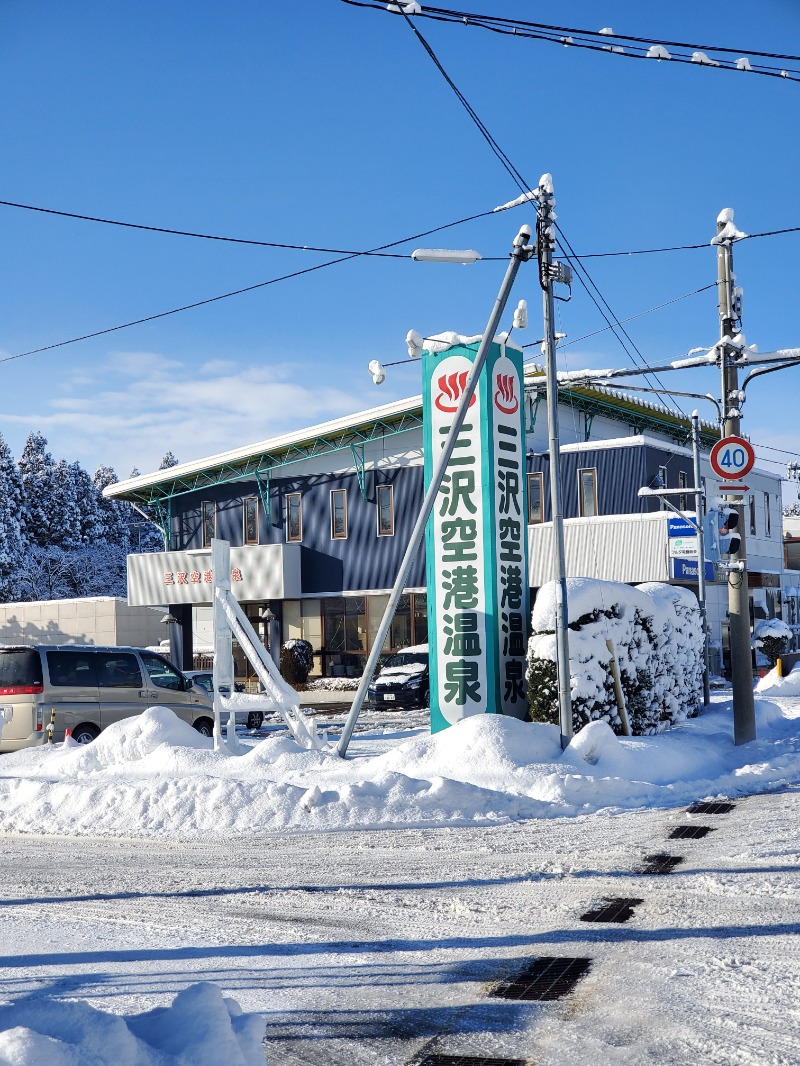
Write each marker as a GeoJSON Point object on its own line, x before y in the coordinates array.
{"type": "Point", "coordinates": [476, 539]}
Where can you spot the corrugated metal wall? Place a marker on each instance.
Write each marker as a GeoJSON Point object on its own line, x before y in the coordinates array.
{"type": "Point", "coordinates": [631, 548]}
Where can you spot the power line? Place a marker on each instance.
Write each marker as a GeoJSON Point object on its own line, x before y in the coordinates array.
{"type": "Point", "coordinates": [626, 47]}
{"type": "Point", "coordinates": [349, 251]}
{"type": "Point", "coordinates": [641, 314]}
{"type": "Point", "coordinates": [581, 272]}
{"type": "Point", "coordinates": [235, 292]}
{"type": "Point", "coordinates": [237, 240]}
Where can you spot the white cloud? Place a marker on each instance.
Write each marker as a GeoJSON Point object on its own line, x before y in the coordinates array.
{"type": "Point", "coordinates": [156, 404]}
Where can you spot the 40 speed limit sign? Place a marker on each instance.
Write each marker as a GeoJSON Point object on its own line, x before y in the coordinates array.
{"type": "Point", "coordinates": [732, 458]}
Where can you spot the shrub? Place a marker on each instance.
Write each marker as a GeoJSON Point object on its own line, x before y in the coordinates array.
{"type": "Point", "coordinates": [297, 658]}
{"type": "Point", "coordinates": [772, 637]}
{"type": "Point", "coordinates": [657, 640]}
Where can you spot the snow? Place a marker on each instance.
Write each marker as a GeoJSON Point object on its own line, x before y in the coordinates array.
{"type": "Point", "coordinates": [485, 844]}
{"type": "Point", "coordinates": [440, 342]}
{"type": "Point", "coordinates": [524, 198]}
{"type": "Point", "coordinates": [770, 627]}
{"type": "Point", "coordinates": [200, 1028]}
{"type": "Point", "coordinates": [701, 57]}
{"type": "Point", "coordinates": [657, 51]}
{"type": "Point", "coordinates": [772, 685]}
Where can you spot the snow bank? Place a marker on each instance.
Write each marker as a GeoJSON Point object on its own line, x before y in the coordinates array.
{"type": "Point", "coordinates": [201, 1028]}
{"type": "Point", "coordinates": [772, 685]}
{"type": "Point", "coordinates": [151, 776]}
{"type": "Point", "coordinates": [656, 636]}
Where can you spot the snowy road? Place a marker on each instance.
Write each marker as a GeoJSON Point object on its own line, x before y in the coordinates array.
{"type": "Point", "coordinates": [364, 948]}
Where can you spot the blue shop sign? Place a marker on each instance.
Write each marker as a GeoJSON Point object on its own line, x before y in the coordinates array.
{"type": "Point", "coordinates": [686, 570]}
{"type": "Point", "coordinates": [680, 527]}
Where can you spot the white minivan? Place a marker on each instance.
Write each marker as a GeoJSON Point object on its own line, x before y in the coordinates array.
{"type": "Point", "coordinates": [89, 688]}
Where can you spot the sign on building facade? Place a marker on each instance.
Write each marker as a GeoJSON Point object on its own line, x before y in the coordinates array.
{"type": "Point", "coordinates": [476, 540]}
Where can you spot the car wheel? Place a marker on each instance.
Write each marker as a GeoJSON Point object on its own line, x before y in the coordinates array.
{"type": "Point", "coordinates": [426, 699]}
{"type": "Point", "coordinates": [254, 720]}
{"type": "Point", "coordinates": [85, 734]}
{"type": "Point", "coordinates": [204, 726]}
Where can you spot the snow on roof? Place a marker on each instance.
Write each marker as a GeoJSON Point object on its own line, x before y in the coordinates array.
{"type": "Point", "coordinates": [196, 466]}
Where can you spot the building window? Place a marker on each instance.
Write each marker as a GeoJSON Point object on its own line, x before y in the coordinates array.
{"type": "Point", "coordinates": [587, 492]}
{"type": "Point", "coordinates": [681, 485]}
{"type": "Point", "coordinates": [767, 517]}
{"type": "Point", "coordinates": [535, 498]}
{"type": "Point", "coordinates": [752, 516]}
{"type": "Point", "coordinates": [250, 506]}
{"type": "Point", "coordinates": [294, 516]}
{"type": "Point", "coordinates": [209, 522]}
{"type": "Point", "coordinates": [385, 510]}
{"type": "Point", "coordinates": [662, 484]}
{"type": "Point", "coordinates": [338, 514]}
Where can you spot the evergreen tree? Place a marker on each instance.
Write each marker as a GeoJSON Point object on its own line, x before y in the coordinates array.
{"type": "Point", "coordinates": [65, 524]}
{"type": "Point", "coordinates": [168, 461]}
{"type": "Point", "coordinates": [112, 512]}
{"type": "Point", "coordinates": [12, 545]}
{"type": "Point", "coordinates": [37, 472]}
{"type": "Point", "coordinates": [91, 519]}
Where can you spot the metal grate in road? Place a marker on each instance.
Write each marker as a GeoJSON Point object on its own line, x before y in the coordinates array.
{"type": "Point", "coordinates": [690, 832]}
{"type": "Point", "coordinates": [543, 979]}
{"type": "Point", "coordinates": [466, 1060]}
{"type": "Point", "coordinates": [660, 864]}
{"type": "Point", "coordinates": [612, 910]}
{"type": "Point", "coordinates": [711, 808]}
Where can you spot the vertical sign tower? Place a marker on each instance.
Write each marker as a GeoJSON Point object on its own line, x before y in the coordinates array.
{"type": "Point", "coordinates": [477, 537]}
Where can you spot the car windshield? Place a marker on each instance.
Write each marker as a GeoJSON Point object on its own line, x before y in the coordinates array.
{"type": "Point", "coordinates": [406, 659]}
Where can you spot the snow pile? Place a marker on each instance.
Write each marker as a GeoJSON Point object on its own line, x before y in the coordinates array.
{"type": "Point", "coordinates": [656, 636]}
{"type": "Point", "coordinates": [153, 776]}
{"type": "Point", "coordinates": [773, 685]}
{"type": "Point", "coordinates": [201, 1028]}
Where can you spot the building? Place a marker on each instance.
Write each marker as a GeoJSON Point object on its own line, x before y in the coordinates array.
{"type": "Point", "coordinates": [319, 519]}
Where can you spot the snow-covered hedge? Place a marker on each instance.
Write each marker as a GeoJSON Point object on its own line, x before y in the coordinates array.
{"type": "Point", "coordinates": [657, 638]}
{"type": "Point", "coordinates": [333, 684]}
{"type": "Point", "coordinates": [772, 637]}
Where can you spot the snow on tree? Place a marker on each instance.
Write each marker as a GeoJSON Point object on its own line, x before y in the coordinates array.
{"type": "Point", "coordinates": [657, 638]}
{"type": "Point", "coordinates": [168, 461]}
{"type": "Point", "coordinates": [112, 513]}
{"type": "Point", "coordinates": [37, 472]}
{"type": "Point", "coordinates": [12, 544]}
{"type": "Point", "coordinates": [772, 637]}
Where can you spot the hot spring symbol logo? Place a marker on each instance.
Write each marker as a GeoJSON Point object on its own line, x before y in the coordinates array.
{"type": "Point", "coordinates": [451, 389]}
{"type": "Point", "coordinates": [505, 398]}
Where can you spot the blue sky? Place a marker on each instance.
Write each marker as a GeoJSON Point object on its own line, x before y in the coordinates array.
{"type": "Point", "coordinates": [314, 122]}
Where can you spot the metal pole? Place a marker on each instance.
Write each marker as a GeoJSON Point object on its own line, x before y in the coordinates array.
{"type": "Point", "coordinates": [701, 551]}
{"type": "Point", "coordinates": [744, 720]}
{"type": "Point", "coordinates": [545, 245]}
{"type": "Point", "coordinates": [518, 255]}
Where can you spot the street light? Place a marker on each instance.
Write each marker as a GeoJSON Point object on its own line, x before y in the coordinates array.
{"type": "Point", "coordinates": [464, 256]}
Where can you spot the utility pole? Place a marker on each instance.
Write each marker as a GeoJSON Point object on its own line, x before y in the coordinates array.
{"type": "Point", "coordinates": [548, 275]}
{"type": "Point", "coordinates": [699, 496]}
{"type": "Point", "coordinates": [744, 722]}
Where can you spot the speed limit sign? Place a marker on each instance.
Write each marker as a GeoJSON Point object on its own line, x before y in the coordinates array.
{"type": "Point", "coordinates": [732, 458]}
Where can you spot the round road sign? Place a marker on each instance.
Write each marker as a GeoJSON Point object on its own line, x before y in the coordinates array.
{"type": "Point", "coordinates": [732, 458]}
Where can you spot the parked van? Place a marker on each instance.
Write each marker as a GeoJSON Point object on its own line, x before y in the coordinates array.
{"type": "Point", "coordinates": [89, 688]}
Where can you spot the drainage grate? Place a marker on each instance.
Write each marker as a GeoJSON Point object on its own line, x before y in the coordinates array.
{"type": "Point", "coordinates": [711, 808]}
{"type": "Point", "coordinates": [690, 832]}
{"type": "Point", "coordinates": [612, 910]}
{"type": "Point", "coordinates": [660, 864]}
{"type": "Point", "coordinates": [544, 978]}
{"type": "Point", "coordinates": [466, 1060]}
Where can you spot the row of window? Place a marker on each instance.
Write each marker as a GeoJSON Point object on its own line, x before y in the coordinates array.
{"type": "Point", "coordinates": [294, 516]}
{"type": "Point", "coordinates": [587, 495]}
{"type": "Point", "coordinates": [338, 516]}
{"type": "Point", "coordinates": [587, 508]}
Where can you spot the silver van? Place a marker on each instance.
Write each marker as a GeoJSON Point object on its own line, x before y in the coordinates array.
{"type": "Point", "coordinates": [89, 688]}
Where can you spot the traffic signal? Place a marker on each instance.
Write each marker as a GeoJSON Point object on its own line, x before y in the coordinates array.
{"type": "Point", "coordinates": [727, 524]}
{"type": "Point", "coordinates": [719, 527]}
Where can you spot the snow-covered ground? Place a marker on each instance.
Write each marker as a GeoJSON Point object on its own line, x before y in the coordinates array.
{"type": "Point", "coordinates": [148, 867]}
